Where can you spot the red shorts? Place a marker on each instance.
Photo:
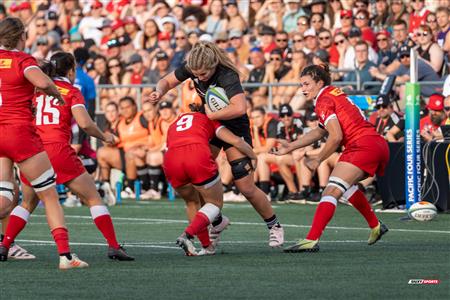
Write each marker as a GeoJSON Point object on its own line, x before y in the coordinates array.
{"type": "Point", "coordinates": [190, 164]}
{"type": "Point", "coordinates": [19, 142]}
{"type": "Point", "coordinates": [370, 154]}
{"type": "Point", "coordinates": [65, 162]}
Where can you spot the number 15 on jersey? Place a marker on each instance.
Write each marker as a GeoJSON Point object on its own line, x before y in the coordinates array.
{"type": "Point", "coordinates": [46, 111]}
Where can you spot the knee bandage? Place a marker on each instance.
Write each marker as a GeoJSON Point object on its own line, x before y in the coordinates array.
{"type": "Point", "coordinates": [241, 167]}
{"type": "Point", "coordinates": [338, 183]}
{"type": "Point", "coordinates": [44, 181]}
{"type": "Point", "coordinates": [7, 190]}
{"type": "Point", "coordinates": [349, 193]}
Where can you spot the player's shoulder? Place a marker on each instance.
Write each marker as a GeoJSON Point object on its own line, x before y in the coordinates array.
{"type": "Point", "coordinates": [66, 88]}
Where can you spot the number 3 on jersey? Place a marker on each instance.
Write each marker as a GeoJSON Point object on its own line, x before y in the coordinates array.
{"type": "Point", "coordinates": [46, 112]}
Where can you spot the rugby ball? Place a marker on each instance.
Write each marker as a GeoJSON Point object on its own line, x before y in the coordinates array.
{"type": "Point", "coordinates": [422, 211]}
{"type": "Point", "coordinates": [216, 98]}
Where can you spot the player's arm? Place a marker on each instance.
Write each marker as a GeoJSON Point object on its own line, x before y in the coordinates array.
{"type": "Point", "coordinates": [164, 85]}
{"type": "Point", "coordinates": [333, 141]}
{"type": "Point", "coordinates": [85, 122]}
{"type": "Point", "coordinates": [305, 140]}
{"type": "Point", "coordinates": [227, 136]}
{"type": "Point", "coordinates": [236, 109]}
{"type": "Point", "coordinates": [43, 83]}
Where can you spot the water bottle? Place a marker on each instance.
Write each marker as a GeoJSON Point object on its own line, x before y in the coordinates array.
{"type": "Point", "coordinates": [170, 193]}
{"type": "Point", "coordinates": [137, 189]}
{"type": "Point", "coordinates": [118, 191]}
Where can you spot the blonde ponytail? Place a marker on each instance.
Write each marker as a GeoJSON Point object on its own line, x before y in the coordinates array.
{"type": "Point", "coordinates": [206, 56]}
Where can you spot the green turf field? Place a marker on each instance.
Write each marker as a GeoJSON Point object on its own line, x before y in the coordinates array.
{"type": "Point", "coordinates": [244, 267]}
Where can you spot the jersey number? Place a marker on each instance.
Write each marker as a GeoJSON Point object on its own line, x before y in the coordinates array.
{"type": "Point", "coordinates": [184, 123]}
{"type": "Point", "coordinates": [46, 112]}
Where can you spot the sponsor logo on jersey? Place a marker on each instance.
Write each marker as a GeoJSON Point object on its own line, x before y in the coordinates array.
{"type": "Point", "coordinates": [63, 91]}
{"type": "Point", "coordinates": [5, 63]}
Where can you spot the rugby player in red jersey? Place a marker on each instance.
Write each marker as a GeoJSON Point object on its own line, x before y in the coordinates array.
{"type": "Point", "coordinates": [366, 153]}
{"type": "Point", "coordinates": [19, 142]}
{"type": "Point", "coordinates": [53, 125]}
{"type": "Point", "coordinates": [191, 169]}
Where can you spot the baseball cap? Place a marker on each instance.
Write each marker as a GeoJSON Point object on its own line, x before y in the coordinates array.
{"type": "Point", "coordinates": [112, 43]}
{"type": "Point", "coordinates": [231, 2]}
{"type": "Point", "coordinates": [51, 15]}
{"type": "Point", "coordinates": [116, 24]}
{"type": "Point", "coordinates": [221, 36]}
{"type": "Point", "coordinates": [285, 110]}
{"type": "Point", "coordinates": [383, 32]}
{"type": "Point", "coordinates": [105, 23]}
{"type": "Point", "coordinates": [311, 116]}
{"type": "Point", "coordinates": [404, 50]}
{"type": "Point", "coordinates": [161, 55]}
{"type": "Point", "coordinates": [129, 20]}
{"type": "Point", "coordinates": [309, 32]}
{"type": "Point", "coordinates": [96, 4]}
{"type": "Point", "coordinates": [346, 13]}
{"type": "Point", "coordinates": [436, 102]}
{"type": "Point", "coordinates": [382, 100]}
{"type": "Point", "coordinates": [76, 37]}
{"type": "Point", "coordinates": [135, 58]}
{"type": "Point", "coordinates": [42, 40]}
{"type": "Point", "coordinates": [235, 34]}
{"type": "Point", "coordinates": [190, 18]}
{"type": "Point", "coordinates": [322, 55]}
{"type": "Point", "coordinates": [354, 32]}
{"type": "Point", "coordinates": [164, 36]}
{"type": "Point", "coordinates": [165, 104]}
{"type": "Point", "coordinates": [291, 1]}
{"type": "Point", "coordinates": [267, 30]}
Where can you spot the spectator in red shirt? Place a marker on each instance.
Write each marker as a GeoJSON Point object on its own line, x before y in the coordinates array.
{"type": "Point", "coordinates": [362, 22]}
{"type": "Point", "coordinates": [418, 16]}
{"type": "Point", "coordinates": [436, 117]}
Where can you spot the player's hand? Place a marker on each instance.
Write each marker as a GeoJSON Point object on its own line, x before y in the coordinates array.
{"type": "Point", "coordinates": [152, 97]}
{"type": "Point", "coordinates": [208, 112]}
{"type": "Point", "coordinates": [60, 100]}
{"type": "Point", "coordinates": [283, 148]}
{"type": "Point", "coordinates": [312, 163]}
{"type": "Point", "coordinates": [110, 139]}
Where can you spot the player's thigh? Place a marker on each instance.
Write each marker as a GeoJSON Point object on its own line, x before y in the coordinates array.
{"type": "Point", "coordinates": [84, 187]}
{"type": "Point", "coordinates": [154, 158]}
{"type": "Point", "coordinates": [35, 166]}
{"type": "Point", "coordinates": [347, 174]}
{"type": "Point", "coordinates": [110, 156]}
{"type": "Point", "coordinates": [213, 194]}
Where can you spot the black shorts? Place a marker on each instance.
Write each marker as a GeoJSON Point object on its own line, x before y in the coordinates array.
{"type": "Point", "coordinates": [240, 127]}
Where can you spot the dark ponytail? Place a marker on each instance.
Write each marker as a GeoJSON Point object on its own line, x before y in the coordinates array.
{"type": "Point", "coordinates": [59, 65]}
{"type": "Point", "coordinates": [318, 73]}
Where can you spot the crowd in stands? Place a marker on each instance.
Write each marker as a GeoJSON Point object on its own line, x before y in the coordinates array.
{"type": "Point", "coordinates": [121, 43]}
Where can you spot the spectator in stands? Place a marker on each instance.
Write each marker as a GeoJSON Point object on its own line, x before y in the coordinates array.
{"type": "Point", "coordinates": [65, 44]}
{"type": "Point", "coordinates": [311, 43]}
{"type": "Point", "coordinates": [181, 49]}
{"type": "Point", "coordinates": [89, 24]}
{"type": "Point", "coordinates": [256, 75]}
{"type": "Point", "coordinates": [447, 110]}
{"type": "Point", "coordinates": [418, 15]}
{"type": "Point", "coordinates": [386, 117]}
{"type": "Point", "coordinates": [362, 65]}
{"type": "Point", "coordinates": [282, 42]}
{"type": "Point", "coordinates": [385, 54]}
{"type": "Point", "coordinates": [292, 12]}
{"type": "Point", "coordinates": [52, 24]}
{"type": "Point", "coordinates": [148, 38]}
{"type": "Point", "coordinates": [216, 20]}
{"type": "Point", "coordinates": [325, 39]}
{"type": "Point", "coordinates": [316, 22]}
{"type": "Point", "coordinates": [355, 36]}
{"type": "Point", "coordinates": [267, 40]}
{"type": "Point", "coordinates": [221, 40]}
{"type": "Point", "coordinates": [334, 11]}
{"type": "Point", "coordinates": [242, 48]}
{"type": "Point", "coordinates": [162, 68]}
{"type": "Point", "coordinates": [289, 128]}
{"type": "Point", "coordinates": [360, 4]}
{"type": "Point", "coordinates": [346, 21]}
{"type": "Point", "coordinates": [42, 48]}
{"type": "Point", "coordinates": [276, 71]}
{"type": "Point", "coordinates": [234, 57]}
{"type": "Point", "coordinates": [442, 18]}
{"type": "Point", "coordinates": [3, 14]}
{"type": "Point", "coordinates": [379, 21]}
{"type": "Point", "coordinates": [264, 134]}
{"type": "Point", "coordinates": [302, 24]}
{"type": "Point", "coordinates": [429, 50]}
{"type": "Point", "coordinates": [40, 32]}
{"type": "Point", "coordinates": [398, 11]}
{"type": "Point", "coordinates": [235, 19]}
{"type": "Point", "coordinates": [319, 7]}
{"type": "Point", "coordinates": [432, 22]}
{"type": "Point", "coordinates": [131, 28]}
{"type": "Point", "coordinates": [297, 42]}
{"type": "Point", "coordinates": [436, 117]}
{"type": "Point", "coordinates": [362, 22]}
{"type": "Point", "coordinates": [84, 82]}
{"type": "Point", "coordinates": [255, 6]}
{"type": "Point", "coordinates": [271, 14]}
{"type": "Point", "coordinates": [76, 15]}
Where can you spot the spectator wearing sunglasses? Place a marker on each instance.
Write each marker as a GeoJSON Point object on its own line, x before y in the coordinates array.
{"type": "Point", "coordinates": [386, 117]}
{"type": "Point", "coordinates": [385, 54]}
{"type": "Point", "coordinates": [293, 11]}
{"type": "Point", "coordinates": [362, 22]}
{"type": "Point", "coordinates": [428, 49]}
{"type": "Point", "coordinates": [429, 125]}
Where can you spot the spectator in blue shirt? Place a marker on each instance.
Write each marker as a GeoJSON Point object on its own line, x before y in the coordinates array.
{"type": "Point", "coordinates": [84, 82]}
{"type": "Point", "coordinates": [362, 65]}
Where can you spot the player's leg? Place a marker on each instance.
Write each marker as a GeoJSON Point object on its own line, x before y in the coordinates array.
{"type": "Point", "coordinates": [108, 158]}
{"type": "Point", "coordinates": [342, 178]}
{"type": "Point", "coordinates": [9, 198]}
{"type": "Point", "coordinates": [84, 187]}
{"type": "Point", "coordinates": [154, 162]}
{"type": "Point", "coordinates": [39, 172]}
{"type": "Point", "coordinates": [242, 171]}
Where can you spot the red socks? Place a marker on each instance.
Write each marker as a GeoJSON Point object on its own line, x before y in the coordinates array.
{"type": "Point", "coordinates": [359, 201]}
{"type": "Point", "coordinates": [17, 221]}
{"type": "Point", "coordinates": [103, 221]}
{"type": "Point", "coordinates": [199, 228]}
{"type": "Point", "coordinates": [324, 213]}
{"type": "Point", "coordinates": [61, 237]}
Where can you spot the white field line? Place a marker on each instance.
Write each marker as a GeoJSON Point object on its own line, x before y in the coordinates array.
{"type": "Point", "coordinates": [166, 221]}
{"type": "Point", "coordinates": [160, 245]}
